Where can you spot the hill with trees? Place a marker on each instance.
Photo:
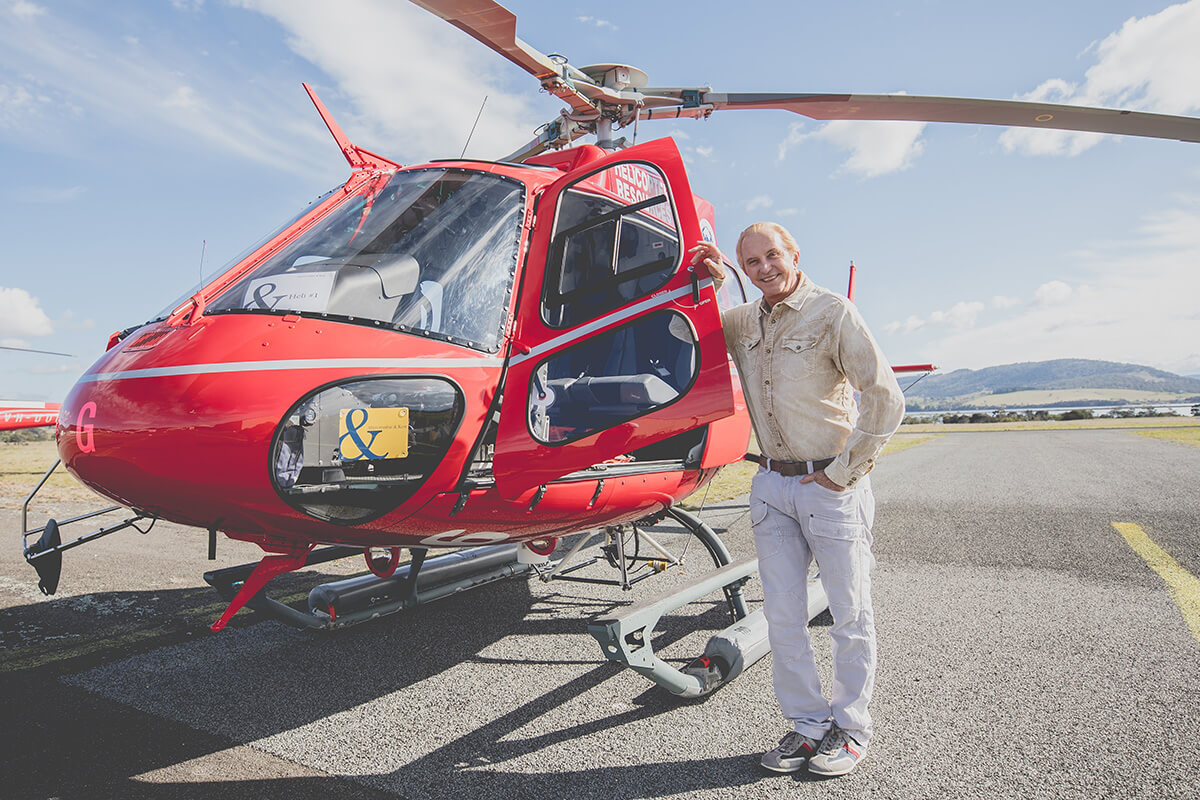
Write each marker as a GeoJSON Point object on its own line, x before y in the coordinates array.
{"type": "Point", "coordinates": [1061, 382]}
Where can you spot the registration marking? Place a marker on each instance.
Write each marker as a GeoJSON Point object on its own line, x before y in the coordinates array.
{"type": "Point", "coordinates": [1183, 585]}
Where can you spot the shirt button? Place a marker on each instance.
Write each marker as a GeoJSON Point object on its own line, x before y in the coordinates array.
{"type": "Point", "coordinates": [766, 383]}
{"type": "Point", "coordinates": [768, 351]}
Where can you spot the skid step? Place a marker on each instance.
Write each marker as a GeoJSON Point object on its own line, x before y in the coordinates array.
{"type": "Point", "coordinates": [625, 636]}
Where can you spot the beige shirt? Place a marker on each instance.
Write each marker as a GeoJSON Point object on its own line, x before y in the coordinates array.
{"type": "Point", "coordinates": [799, 364]}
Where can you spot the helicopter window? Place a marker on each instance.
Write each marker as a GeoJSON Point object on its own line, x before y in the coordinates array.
{"type": "Point", "coordinates": [426, 251]}
{"type": "Point", "coordinates": [615, 240]}
{"type": "Point", "coordinates": [731, 292]}
{"type": "Point", "coordinates": [353, 451]}
{"type": "Point", "coordinates": [210, 277]}
{"type": "Point", "coordinates": [612, 378]}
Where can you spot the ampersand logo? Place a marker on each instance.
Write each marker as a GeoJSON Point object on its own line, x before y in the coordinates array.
{"type": "Point", "coordinates": [356, 418]}
{"type": "Point", "coordinates": [262, 298]}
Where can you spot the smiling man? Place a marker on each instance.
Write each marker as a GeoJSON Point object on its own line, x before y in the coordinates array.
{"type": "Point", "coordinates": [801, 352]}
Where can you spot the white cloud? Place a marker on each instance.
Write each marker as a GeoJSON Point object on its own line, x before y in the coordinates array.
{"type": "Point", "coordinates": [599, 23]}
{"type": "Point", "coordinates": [1150, 64]}
{"type": "Point", "coordinates": [960, 315]}
{"type": "Point", "coordinates": [61, 369]}
{"type": "Point", "coordinates": [47, 194]}
{"type": "Point", "coordinates": [407, 85]}
{"type": "Point", "coordinates": [1052, 293]}
{"type": "Point", "coordinates": [1001, 301]}
{"type": "Point", "coordinates": [876, 148]}
{"type": "Point", "coordinates": [416, 82]}
{"type": "Point", "coordinates": [16, 104]}
{"type": "Point", "coordinates": [83, 77]}
{"type": "Point", "coordinates": [1134, 301]}
{"type": "Point", "coordinates": [26, 10]}
{"type": "Point", "coordinates": [761, 201]}
{"type": "Point", "coordinates": [22, 315]}
{"type": "Point", "coordinates": [704, 150]}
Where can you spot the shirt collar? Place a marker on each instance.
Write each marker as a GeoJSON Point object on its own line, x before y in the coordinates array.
{"type": "Point", "coordinates": [795, 299]}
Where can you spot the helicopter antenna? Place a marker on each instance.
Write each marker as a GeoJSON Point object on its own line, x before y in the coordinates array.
{"type": "Point", "coordinates": [203, 251]}
{"type": "Point", "coordinates": [472, 133]}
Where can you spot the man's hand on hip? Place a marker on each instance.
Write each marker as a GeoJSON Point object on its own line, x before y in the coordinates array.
{"type": "Point", "coordinates": [819, 477]}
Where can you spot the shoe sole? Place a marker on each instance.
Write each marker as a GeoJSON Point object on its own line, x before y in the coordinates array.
{"type": "Point", "coordinates": [784, 770]}
{"type": "Point", "coordinates": [835, 773]}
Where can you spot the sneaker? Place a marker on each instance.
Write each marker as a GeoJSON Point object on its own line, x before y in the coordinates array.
{"type": "Point", "coordinates": [837, 755]}
{"type": "Point", "coordinates": [792, 754]}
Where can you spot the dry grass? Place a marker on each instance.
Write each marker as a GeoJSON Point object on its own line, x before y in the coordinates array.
{"type": "Point", "coordinates": [22, 465]}
{"type": "Point", "coordinates": [1183, 435]}
{"type": "Point", "coordinates": [734, 480]}
{"type": "Point", "coordinates": [904, 440]}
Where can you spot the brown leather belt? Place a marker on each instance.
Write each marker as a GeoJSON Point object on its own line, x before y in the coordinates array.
{"type": "Point", "coordinates": [788, 469]}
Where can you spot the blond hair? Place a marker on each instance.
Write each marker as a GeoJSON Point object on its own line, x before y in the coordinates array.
{"type": "Point", "coordinates": [767, 229]}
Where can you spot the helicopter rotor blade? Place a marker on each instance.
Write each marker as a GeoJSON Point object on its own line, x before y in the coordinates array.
{"type": "Point", "coordinates": [917, 108]}
{"type": "Point", "coordinates": [496, 26]}
{"type": "Point", "coordinates": [31, 350]}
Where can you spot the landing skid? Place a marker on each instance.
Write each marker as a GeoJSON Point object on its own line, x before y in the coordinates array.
{"type": "Point", "coordinates": [340, 604]}
{"type": "Point", "coordinates": [626, 635]}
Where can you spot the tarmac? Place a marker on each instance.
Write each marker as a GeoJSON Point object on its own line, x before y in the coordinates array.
{"type": "Point", "coordinates": [1028, 648]}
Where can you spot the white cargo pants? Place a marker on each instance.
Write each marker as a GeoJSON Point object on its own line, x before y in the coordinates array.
{"type": "Point", "coordinates": [794, 523]}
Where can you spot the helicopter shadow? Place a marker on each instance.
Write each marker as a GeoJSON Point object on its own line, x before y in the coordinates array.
{"type": "Point", "coordinates": [261, 681]}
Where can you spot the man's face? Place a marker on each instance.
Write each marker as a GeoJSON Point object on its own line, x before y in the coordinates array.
{"type": "Point", "coordinates": [769, 265]}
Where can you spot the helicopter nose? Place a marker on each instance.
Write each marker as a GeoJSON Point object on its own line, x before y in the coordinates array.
{"type": "Point", "coordinates": [179, 449]}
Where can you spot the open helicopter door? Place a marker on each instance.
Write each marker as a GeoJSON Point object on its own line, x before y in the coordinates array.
{"type": "Point", "coordinates": [617, 342]}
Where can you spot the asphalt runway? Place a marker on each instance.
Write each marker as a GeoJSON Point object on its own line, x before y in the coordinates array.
{"type": "Point", "coordinates": [1026, 650]}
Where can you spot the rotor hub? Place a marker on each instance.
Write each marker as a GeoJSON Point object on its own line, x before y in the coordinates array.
{"type": "Point", "coordinates": [616, 76]}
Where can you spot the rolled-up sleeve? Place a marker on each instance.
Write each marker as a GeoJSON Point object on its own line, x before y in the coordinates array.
{"type": "Point", "coordinates": [880, 401]}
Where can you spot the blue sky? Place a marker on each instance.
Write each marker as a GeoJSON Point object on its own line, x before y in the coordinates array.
{"type": "Point", "coordinates": [133, 132]}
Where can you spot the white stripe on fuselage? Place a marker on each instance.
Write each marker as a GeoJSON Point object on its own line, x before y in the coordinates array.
{"type": "Point", "coordinates": [300, 363]}
{"type": "Point", "coordinates": [605, 321]}
{"type": "Point", "coordinates": [394, 363]}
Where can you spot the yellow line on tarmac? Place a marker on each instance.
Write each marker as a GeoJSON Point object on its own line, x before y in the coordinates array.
{"type": "Point", "coordinates": [1184, 586]}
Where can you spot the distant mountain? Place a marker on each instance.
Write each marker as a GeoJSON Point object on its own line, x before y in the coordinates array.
{"type": "Point", "coordinates": [1065, 381]}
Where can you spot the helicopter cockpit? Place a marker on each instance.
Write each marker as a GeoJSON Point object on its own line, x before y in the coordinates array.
{"type": "Point", "coordinates": [425, 251]}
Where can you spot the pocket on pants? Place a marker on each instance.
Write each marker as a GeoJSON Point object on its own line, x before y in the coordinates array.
{"type": "Point", "coordinates": [838, 543]}
{"type": "Point", "coordinates": [758, 511]}
{"type": "Point", "coordinates": [831, 527]}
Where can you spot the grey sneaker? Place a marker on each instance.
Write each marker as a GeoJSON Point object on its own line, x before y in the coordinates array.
{"type": "Point", "coordinates": [837, 755]}
{"type": "Point", "coordinates": [792, 754]}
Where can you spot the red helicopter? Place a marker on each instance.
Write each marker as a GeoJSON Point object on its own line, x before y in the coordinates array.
{"type": "Point", "coordinates": [477, 355]}
{"type": "Point", "coordinates": [17, 414]}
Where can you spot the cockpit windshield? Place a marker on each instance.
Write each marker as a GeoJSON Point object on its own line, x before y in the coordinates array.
{"type": "Point", "coordinates": [429, 251]}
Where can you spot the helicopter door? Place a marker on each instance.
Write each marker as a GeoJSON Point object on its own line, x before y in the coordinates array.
{"type": "Point", "coordinates": [617, 343]}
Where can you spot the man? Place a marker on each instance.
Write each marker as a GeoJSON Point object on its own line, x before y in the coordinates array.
{"type": "Point", "coordinates": [800, 352]}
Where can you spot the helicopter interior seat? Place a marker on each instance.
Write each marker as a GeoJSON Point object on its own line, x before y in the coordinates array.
{"type": "Point", "coordinates": [371, 286]}
{"type": "Point", "coordinates": [621, 375]}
